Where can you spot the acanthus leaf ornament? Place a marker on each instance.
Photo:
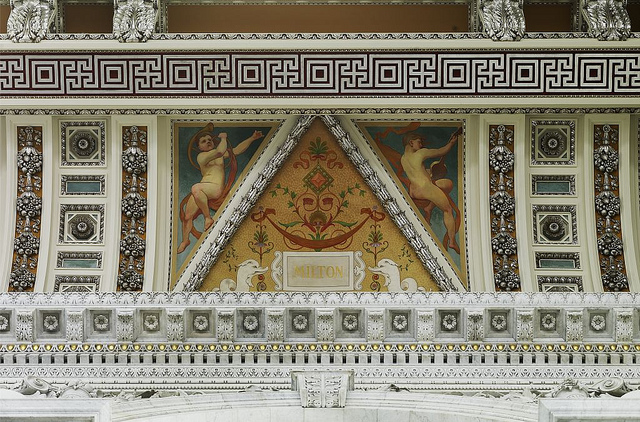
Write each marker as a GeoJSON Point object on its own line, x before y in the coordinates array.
{"type": "Point", "coordinates": [502, 20]}
{"type": "Point", "coordinates": [134, 20]}
{"type": "Point", "coordinates": [29, 20]}
{"type": "Point", "coordinates": [607, 20]}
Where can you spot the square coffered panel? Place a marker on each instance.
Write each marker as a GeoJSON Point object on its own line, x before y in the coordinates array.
{"type": "Point", "coordinates": [553, 142]}
{"type": "Point", "coordinates": [555, 224]}
{"type": "Point", "coordinates": [82, 143]}
{"type": "Point", "coordinates": [81, 223]}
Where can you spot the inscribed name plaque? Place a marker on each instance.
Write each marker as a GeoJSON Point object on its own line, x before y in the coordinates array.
{"type": "Point", "coordinates": [318, 271]}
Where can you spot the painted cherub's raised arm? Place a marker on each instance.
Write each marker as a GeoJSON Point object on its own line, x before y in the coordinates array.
{"type": "Point", "coordinates": [426, 153]}
{"type": "Point", "coordinates": [242, 146]}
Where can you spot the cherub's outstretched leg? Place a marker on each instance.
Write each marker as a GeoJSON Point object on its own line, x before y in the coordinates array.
{"type": "Point", "coordinates": [190, 211]}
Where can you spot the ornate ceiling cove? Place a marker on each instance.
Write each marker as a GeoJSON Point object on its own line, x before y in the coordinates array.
{"type": "Point", "coordinates": [222, 232]}
{"type": "Point", "coordinates": [277, 73]}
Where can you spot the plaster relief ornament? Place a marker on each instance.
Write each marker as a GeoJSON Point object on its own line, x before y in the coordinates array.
{"type": "Point", "coordinates": [134, 20]}
{"type": "Point", "coordinates": [400, 322]}
{"type": "Point", "coordinates": [607, 20]}
{"type": "Point", "coordinates": [29, 20]}
{"type": "Point", "coordinates": [499, 322]}
{"type": "Point", "coordinates": [449, 322]}
{"type": "Point", "coordinates": [502, 20]}
{"type": "Point", "coordinates": [391, 273]}
{"type": "Point", "coordinates": [84, 144]}
{"type": "Point", "coordinates": [200, 323]}
{"type": "Point", "coordinates": [598, 322]}
{"type": "Point", "coordinates": [82, 226]}
{"type": "Point", "coordinates": [50, 323]}
{"type": "Point", "coordinates": [4, 323]}
{"type": "Point", "coordinates": [350, 322]}
{"type": "Point", "coordinates": [151, 322]}
{"type": "Point", "coordinates": [101, 323]}
{"type": "Point", "coordinates": [548, 322]}
{"type": "Point", "coordinates": [246, 271]}
{"type": "Point", "coordinates": [300, 322]}
{"type": "Point", "coordinates": [250, 323]}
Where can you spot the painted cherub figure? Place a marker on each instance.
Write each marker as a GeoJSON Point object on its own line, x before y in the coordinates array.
{"type": "Point", "coordinates": [210, 192]}
{"type": "Point", "coordinates": [424, 186]}
{"type": "Point", "coordinates": [428, 187]}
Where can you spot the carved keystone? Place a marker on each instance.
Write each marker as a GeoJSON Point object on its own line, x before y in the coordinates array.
{"type": "Point", "coordinates": [322, 388]}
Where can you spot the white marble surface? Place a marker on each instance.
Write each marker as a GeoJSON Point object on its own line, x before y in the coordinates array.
{"type": "Point", "coordinates": [282, 406]}
{"type": "Point", "coordinates": [40, 409]}
{"type": "Point", "coordinates": [601, 410]}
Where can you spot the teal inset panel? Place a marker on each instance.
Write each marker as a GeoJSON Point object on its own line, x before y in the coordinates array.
{"type": "Point", "coordinates": [79, 263]}
{"type": "Point", "coordinates": [84, 187]}
{"type": "Point", "coordinates": [557, 263]}
{"type": "Point", "coordinates": [553, 187]}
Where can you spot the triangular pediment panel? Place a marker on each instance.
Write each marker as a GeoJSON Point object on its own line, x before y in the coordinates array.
{"type": "Point", "coordinates": [425, 160]}
{"type": "Point", "coordinates": [319, 220]}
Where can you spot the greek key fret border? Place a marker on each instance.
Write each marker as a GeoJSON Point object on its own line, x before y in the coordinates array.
{"type": "Point", "coordinates": [328, 73]}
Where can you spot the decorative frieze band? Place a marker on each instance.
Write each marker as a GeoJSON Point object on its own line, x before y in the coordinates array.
{"type": "Point", "coordinates": [607, 208]}
{"type": "Point", "coordinates": [211, 318]}
{"type": "Point", "coordinates": [278, 73]}
{"type": "Point", "coordinates": [26, 244]}
{"type": "Point", "coordinates": [502, 204]}
{"type": "Point", "coordinates": [134, 208]}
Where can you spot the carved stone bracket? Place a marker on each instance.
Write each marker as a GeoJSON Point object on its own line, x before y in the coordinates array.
{"type": "Point", "coordinates": [325, 324]}
{"type": "Point", "coordinates": [225, 325]}
{"type": "Point", "coordinates": [323, 388]}
{"type": "Point", "coordinates": [607, 20]}
{"type": "Point", "coordinates": [375, 325]}
{"type": "Point", "coordinates": [624, 325]}
{"type": "Point", "coordinates": [75, 325]}
{"type": "Point", "coordinates": [24, 325]}
{"type": "Point", "coordinates": [175, 325]}
{"type": "Point", "coordinates": [575, 326]}
{"type": "Point", "coordinates": [475, 325]}
{"type": "Point", "coordinates": [524, 325]}
{"type": "Point", "coordinates": [502, 20]}
{"type": "Point", "coordinates": [134, 20]}
{"type": "Point", "coordinates": [275, 324]}
{"type": "Point", "coordinates": [425, 329]}
{"type": "Point", "coordinates": [29, 20]}
{"type": "Point", "coordinates": [124, 324]}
